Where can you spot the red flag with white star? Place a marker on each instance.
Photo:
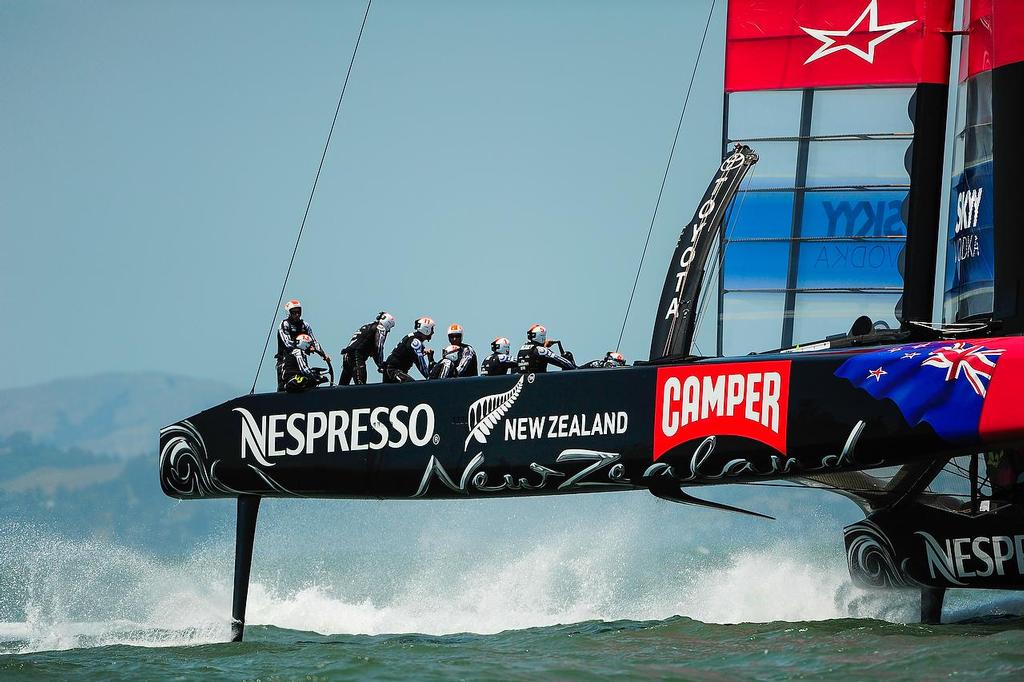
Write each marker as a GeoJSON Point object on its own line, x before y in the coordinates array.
{"type": "Point", "coordinates": [786, 44]}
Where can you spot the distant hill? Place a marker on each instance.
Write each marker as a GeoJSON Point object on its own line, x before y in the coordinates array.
{"type": "Point", "coordinates": [117, 414]}
{"type": "Point", "coordinates": [78, 494]}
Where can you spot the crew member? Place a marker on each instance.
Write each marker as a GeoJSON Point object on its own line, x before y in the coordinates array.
{"type": "Point", "coordinates": [466, 365]}
{"type": "Point", "coordinates": [535, 355]}
{"type": "Point", "coordinates": [610, 359]}
{"type": "Point", "coordinates": [367, 342]}
{"type": "Point", "coordinates": [500, 361]}
{"type": "Point", "coordinates": [295, 372]}
{"type": "Point", "coordinates": [411, 351]}
{"type": "Point", "coordinates": [446, 368]}
{"type": "Point", "coordinates": [1006, 474]}
{"type": "Point", "coordinates": [291, 327]}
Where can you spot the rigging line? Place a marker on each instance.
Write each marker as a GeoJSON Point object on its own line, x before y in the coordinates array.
{"type": "Point", "coordinates": [864, 491]}
{"type": "Point", "coordinates": [847, 137]}
{"type": "Point", "coordinates": [835, 188]}
{"type": "Point", "coordinates": [664, 178]}
{"type": "Point", "coordinates": [312, 191]}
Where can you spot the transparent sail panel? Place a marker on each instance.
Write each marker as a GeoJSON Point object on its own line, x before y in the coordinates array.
{"type": "Point", "coordinates": [816, 240]}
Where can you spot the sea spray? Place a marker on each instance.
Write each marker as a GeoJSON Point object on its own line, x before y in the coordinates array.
{"type": "Point", "coordinates": [436, 568]}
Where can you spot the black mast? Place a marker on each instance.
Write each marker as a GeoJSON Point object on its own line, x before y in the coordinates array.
{"type": "Point", "coordinates": [1008, 236]}
{"type": "Point", "coordinates": [922, 206]}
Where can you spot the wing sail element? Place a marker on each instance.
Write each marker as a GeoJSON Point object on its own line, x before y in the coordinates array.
{"type": "Point", "coordinates": [677, 312]}
{"type": "Point", "coordinates": [845, 101]}
{"type": "Point", "coordinates": [984, 243]}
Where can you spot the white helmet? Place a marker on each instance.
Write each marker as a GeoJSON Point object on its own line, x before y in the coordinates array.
{"type": "Point", "coordinates": [500, 345]}
{"type": "Point", "coordinates": [294, 303]}
{"type": "Point", "coordinates": [537, 333]}
{"type": "Point", "coordinates": [425, 326]}
{"type": "Point", "coordinates": [451, 353]}
{"type": "Point", "coordinates": [386, 320]}
{"type": "Point", "coordinates": [303, 341]}
{"type": "Point", "coordinates": [616, 357]}
{"type": "Point", "coordinates": [455, 330]}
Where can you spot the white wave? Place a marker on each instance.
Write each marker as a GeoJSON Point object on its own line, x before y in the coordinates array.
{"type": "Point", "coordinates": [493, 574]}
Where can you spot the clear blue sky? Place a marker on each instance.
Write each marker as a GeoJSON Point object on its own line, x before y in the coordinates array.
{"type": "Point", "coordinates": [495, 164]}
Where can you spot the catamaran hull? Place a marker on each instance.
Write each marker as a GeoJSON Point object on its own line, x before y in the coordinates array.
{"type": "Point", "coordinates": [918, 545]}
{"type": "Point", "coordinates": [697, 423]}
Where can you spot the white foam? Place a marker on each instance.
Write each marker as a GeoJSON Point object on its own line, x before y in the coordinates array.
{"type": "Point", "coordinates": [83, 594]}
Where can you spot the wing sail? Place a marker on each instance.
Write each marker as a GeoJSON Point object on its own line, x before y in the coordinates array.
{"type": "Point", "coordinates": [849, 120]}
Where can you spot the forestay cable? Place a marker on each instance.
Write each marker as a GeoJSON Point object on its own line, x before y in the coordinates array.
{"type": "Point", "coordinates": [664, 178]}
{"type": "Point", "coordinates": [309, 202]}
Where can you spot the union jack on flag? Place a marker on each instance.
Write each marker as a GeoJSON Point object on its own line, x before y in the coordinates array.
{"type": "Point", "coordinates": [973, 362]}
{"type": "Point", "coordinates": [950, 401]}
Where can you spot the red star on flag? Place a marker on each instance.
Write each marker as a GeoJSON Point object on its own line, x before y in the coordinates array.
{"type": "Point", "coordinates": [876, 373]}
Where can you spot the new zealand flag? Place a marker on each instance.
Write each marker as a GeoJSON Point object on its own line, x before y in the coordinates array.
{"type": "Point", "coordinates": [941, 383]}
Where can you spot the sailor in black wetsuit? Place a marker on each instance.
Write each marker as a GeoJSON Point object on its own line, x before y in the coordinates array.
{"type": "Point", "coordinates": [535, 355]}
{"type": "Point", "coordinates": [411, 351]}
{"type": "Point", "coordinates": [367, 342]}
{"type": "Point", "coordinates": [500, 361]}
{"type": "Point", "coordinates": [611, 359]}
{"type": "Point", "coordinates": [290, 328]}
{"type": "Point", "coordinates": [446, 367]}
{"type": "Point", "coordinates": [466, 365]}
{"type": "Point", "coordinates": [1006, 475]}
{"type": "Point", "coordinates": [295, 372]}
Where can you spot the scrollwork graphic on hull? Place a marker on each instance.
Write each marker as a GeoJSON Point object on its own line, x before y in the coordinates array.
{"type": "Point", "coordinates": [871, 558]}
{"type": "Point", "coordinates": [473, 479]}
{"type": "Point", "coordinates": [601, 460]}
{"type": "Point", "coordinates": [699, 466]}
{"type": "Point", "coordinates": [186, 469]}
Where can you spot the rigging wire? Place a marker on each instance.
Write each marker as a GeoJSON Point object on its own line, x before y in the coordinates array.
{"type": "Point", "coordinates": [863, 491]}
{"type": "Point", "coordinates": [664, 178]}
{"type": "Point", "coordinates": [309, 202]}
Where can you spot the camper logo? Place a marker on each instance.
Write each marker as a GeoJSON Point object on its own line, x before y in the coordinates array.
{"type": "Point", "coordinates": [841, 41]}
{"type": "Point", "coordinates": [749, 399]}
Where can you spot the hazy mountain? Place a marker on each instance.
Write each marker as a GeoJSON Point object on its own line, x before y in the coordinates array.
{"type": "Point", "coordinates": [114, 414]}
{"type": "Point", "coordinates": [78, 494]}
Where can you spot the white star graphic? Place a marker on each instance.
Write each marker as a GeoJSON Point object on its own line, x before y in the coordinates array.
{"type": "Point", "coordinates": [828, 38]}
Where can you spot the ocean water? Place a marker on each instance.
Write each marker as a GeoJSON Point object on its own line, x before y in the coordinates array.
{"type": "Point", "coordinates": [560, 589]}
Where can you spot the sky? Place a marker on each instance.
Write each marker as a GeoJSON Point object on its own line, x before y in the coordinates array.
{"type": "Point", "coordinates": [494, 164]}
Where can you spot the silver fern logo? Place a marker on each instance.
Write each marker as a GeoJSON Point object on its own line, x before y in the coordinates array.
{"type": "Point", "coordinates": [485, 413]}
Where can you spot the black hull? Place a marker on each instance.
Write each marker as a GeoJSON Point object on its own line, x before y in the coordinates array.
{"type": "Point", "coordinates": [920, 545]}
{"type": "Point", "coordinates": [568, 432]}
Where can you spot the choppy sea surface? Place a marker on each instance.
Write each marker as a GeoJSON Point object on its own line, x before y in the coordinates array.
{"type": "Point", "coordinates": [678, 648]}
{"type": "Point", "coordinates": [569, 590]}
